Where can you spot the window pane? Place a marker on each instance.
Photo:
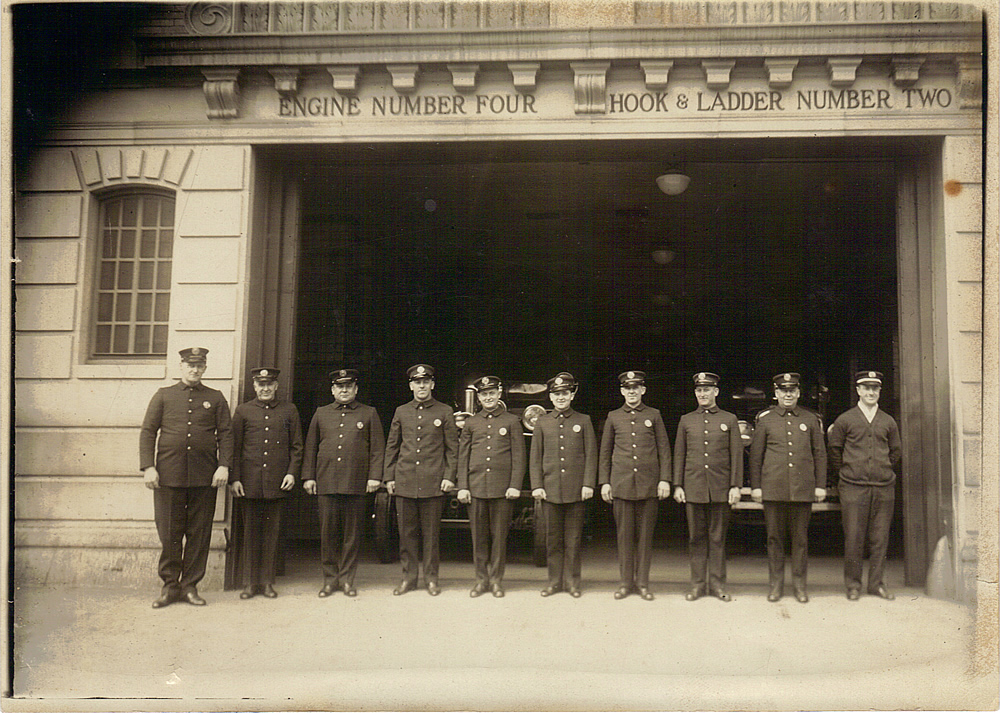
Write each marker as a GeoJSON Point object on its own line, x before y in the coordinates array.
{"type": "Point", "coordinates": [112, 212]}
{"type": "Point", "coordinates": [159, 340]}
{"type": "Point", "coordinates": [123, 310]}
{"type": "Point", "coordinates": [163, 276]}
{"type": "Point", "coordinates": [147, 248]}
{"type": "Point", "coordinates": [121, 339]}
{"type": "Point", "coordinates": [126, 246]}
{"type": "Point", "coordinates": [166, 243]}
{"type": "Point", "coordinates": [143, 307]}
{"type": "Point", "coordinates": [108, 275]}
{"type": "Point", "coordinates": [105, 300]}
{"type": "Point", "coordinates": [130, 210]}
{"type": "Point", "coordinates": [150, 205]}
{"type": "Point", "coordinates": [110, 248]}
{"type": "Point", "coordinates": [103, 345]}
{"type": "Point", "coordinates": [162, 313]}
{"type": "Point", "coordinates": [141, 339]}
{"type": "Point", "coordinates": [167, 212]}
{"type": "Point", "coordinates": [124, 276]}
{"type": "Point", "coordinates": [146, 275]}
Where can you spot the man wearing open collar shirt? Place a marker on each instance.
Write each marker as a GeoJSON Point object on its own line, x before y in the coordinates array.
{"type": "Point", "coordinates": [563, 467]}
{"type": "Point", "coordinates": [420, 464]}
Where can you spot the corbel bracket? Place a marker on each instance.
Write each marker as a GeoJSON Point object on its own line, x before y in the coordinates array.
{"type": "Point", "coordinates": [222, 92]}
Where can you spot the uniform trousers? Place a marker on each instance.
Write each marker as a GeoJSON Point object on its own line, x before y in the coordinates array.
{"type": "Point", "coordinates": [635, 521]}
{"type": "Point", "coordinates": [419, 524]}
{"type": "Point", "coordinates": [184, 524]}
{"type": "Point", "coordinates": [340, 520]}
{"type": "Point", "coordinates": [261, 525]}
{"type": "Point", "coordinates": [490, 522]}
{"type": "Point", "coordinates": [707, 527]}
{"type": "Point", "coordinates": [563, 536]}
{"type": "Point", "coordinates": [781, 517]}
{"type": "Point", "coordinates": [866, 511]}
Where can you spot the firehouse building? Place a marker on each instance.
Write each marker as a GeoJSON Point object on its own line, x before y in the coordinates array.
{"type": "Point", "coordinates": [475, 185]}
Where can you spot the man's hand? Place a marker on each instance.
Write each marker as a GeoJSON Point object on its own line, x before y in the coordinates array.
{"type": "Point", "coordinates": [237, 489]}
{"type": "Point", "coordinates": [309, 486]}
{"type": "Point", "coordinates": [586, 492]}
{"type": "Point", "coordinates": [820, 494]}
{"type": "Point", "coordinates": [372, 486]}
{"type": "Point", "coordinates": [734, 496]}
{"type": "Point", "coordinates": [390, 487]}
{"type": "Point", "coordinates": [606, 493]}
{"type": "Point", "coordinates": [220, 477]}
{"type": "Point", "coordinates": [512, 494]}
{"type": "Point", "coordinates": [288, 482]}
{"type": "Point", "coordinates": [447, 486]}
{"type": "Point", "coordinates": [464, 496]}
{"type": "Point", "coordinates": [151, 477]}
{"type": "Point", "coordinates": [663, 490]}
{"type": "Point", "coordinates": [538, 493]}
{"type": "Point", "coordinates": [757, 495]}
{"type": "Point", "coordinates": [679, 495]}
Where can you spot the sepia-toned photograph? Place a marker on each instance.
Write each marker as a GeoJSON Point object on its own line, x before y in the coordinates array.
{"type": "Point", "coordinates": [500, 355]}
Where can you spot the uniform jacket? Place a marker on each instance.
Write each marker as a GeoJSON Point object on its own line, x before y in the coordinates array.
{"type": "Point", "coordinates": [267, 438]}
{"type": "Point", "coordinates": [563, 455]}
{"type": "Point", "coordinates": [635, 452]}
{"type": "Point", "coordinates": [344, 449]}
{"type": "Point", "coordinates": [788, 454]}
{"type": "Point", "coordinates": [195, 436]}
{"type": "Point", "coordinates": [865, 453]}
{"type": "Point", "coordinates": [708, 455]}
{"type": "Point", "coordinates": [491, 454]}
{"type": "Point", "coordinates": [422, 448]}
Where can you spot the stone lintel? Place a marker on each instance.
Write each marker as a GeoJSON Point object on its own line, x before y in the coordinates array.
{"type": "Point", "coordinates": [463, 76]}
{"type": "Point", "coordinates": [525, 75]}
{"type": "Point", "coordinates": [656, 72]}
{"type": "Point", "coordinates": [779, 72]}
{"type": "Point", "coordinates": [404, 77]}
{"type": "Point", "coordinates": [843, 70]}
{"type": "Point", "coordinates": [590, 80]}
{"type": "Point", "coordinates": [222, 92]}
{"type": "Point", "coordinates": [717, 72]}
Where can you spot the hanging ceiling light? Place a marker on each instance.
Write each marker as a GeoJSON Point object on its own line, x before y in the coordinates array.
{"type": "Point", "coordinates": [673, 183]}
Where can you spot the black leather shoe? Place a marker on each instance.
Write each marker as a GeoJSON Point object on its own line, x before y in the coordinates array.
{"type": "Point", "coordinates": [550, 590]}
{"type": "Point", "coordinates": [853, 594]}
{"type": "Point", "coordinates": [349, 590]}
{"type": "Point", "coordinates": [327, 590]}
{"type": "Point", "coordinates": [268, 591]}
{"type": "Point", "coordinates": [694, 593]}
{"type": "Point", "coordinates": [775, 594]}
{"type": "Point", "coordinates": [404, 587]}
{"type": "Point", "coordinates": [477, 590]}
{"type": "Point", "coordinates": [722, 594]}
{"type": "Point", "coordinates": [646, 594]}
{"type": "Point", "coordinates": [800, 596]}
{"type": "Point", "coordinates": [622, 592]}
{"type": "Point", "coordinates": [575, 592]}
{"type": "Point", "coordinates": [164, 600]}
{"type": "Point", "coordinates": [193, 598]}
{"type": "Point", "coordinates": [433, 589]}
{"type": "Point", "coordinates": [497, 589]}
{"type": "Point", "coordinates": [881, 591]}
{"type": "Point", "coordinates": [248, 592]}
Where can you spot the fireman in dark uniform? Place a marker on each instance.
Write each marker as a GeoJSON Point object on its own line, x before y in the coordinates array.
{"type": "Point", "coordinates": [563, 467]}
{"type": "Point", "coordinates": [343, 461]}
{"type": "Point", "coordinates": [708, 472]}
{"type": "Point", "coordinates": [267, 435]}
{"type": "Point", "coordinates": [787, 474]}
{"type": "Point", "coordinates": [634, 471]}
{"type": "Point", "coordinates": [192, 457]}
{"type": "Point", "coordinates": [865, 450]}
{"type": "Point", "coordinates": [420, 463]}
{"type": "Point", "coordinates": [491, 463]}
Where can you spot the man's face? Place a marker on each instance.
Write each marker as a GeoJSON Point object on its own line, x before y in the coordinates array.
{"type": "Point", "coordinates": [422, 388]}
{"type": "Point", "coordinates": [561, 399]}
{"type": "Point", "coordinates": [787, 397]}
{"type": "Point", "coordinates": [191, 372]}
{"type": "Point", "coordinates": [489, 398]}
{"type": "Point", "coordinates": [266, 390]}
{"type": "Point", "coordinates": [633, 394]}
{"type": "Point", "coordinates": [344, 393]}
{"type": "Point", "coordinates": [869, 393]}
{"type": "Point", "coordinates": [706, 395]}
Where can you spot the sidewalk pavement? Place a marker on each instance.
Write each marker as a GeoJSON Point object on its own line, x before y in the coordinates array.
{"type": "Point", "coordinates": [99, 649]}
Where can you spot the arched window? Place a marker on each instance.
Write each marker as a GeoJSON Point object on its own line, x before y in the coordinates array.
{"type": "Point", "coordinates": [132, 309]}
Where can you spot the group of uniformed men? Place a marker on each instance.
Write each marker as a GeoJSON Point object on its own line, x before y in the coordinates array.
{"type": "Point", "coordinates": [189, 446]}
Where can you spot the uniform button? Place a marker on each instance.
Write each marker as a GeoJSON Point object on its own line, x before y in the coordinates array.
{"type": "Point", "coordinates": [706, 465]}
{"type": "Point", "coordinates": [418, 462]}
{"type": "Point", "coordinates": [265, 440]}
{"type": "Point", "coordinates": [635, 470]}
{"type": "Point", "coordinates": [487, 470]}
{"type": "Point", "coordinates": [489, 448]}
{"type": "Point", "coordinates": [266, 428]}
{"type": "Point", "coordinates": [487, 457]}
{"type": "Point", "coordinates": [265, 452]}
{"type": "Point", "coordinates": [563, 470]}
{"type": "Point", "coordinates": [633, 433]}
{"type": "Point", "coordinates": [706, 455]}
{"type": "Point", "coordinates": [189, 447]}
{"type": "Point", "coordinates": [339, 447]}
{"type": "Point", "coordinates": [489, 425]}
{"type": "Point", "coordinates": [635, 457]}
{"type": "Point", "coordinates": [338, 460]}
{"type": "Point", "coordinates": [418, 450]}
{"type": "Point", "coordinates": [266, 417]}
{"type": "Point", "coordinates": [189, 423]}
{"type": "Point", "coordinates": [790, 465]}
{"type": "Point", "coordinates": [419, 427]}
{"type": "Point", "coordinates": [633, 445]}
{"type": "Point", "coordinates": [341, 435]}
{"type": "Point", "coordinates": [190, 411]}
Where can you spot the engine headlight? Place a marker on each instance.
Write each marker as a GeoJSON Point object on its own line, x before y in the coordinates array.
{"type": "Point", "coordinates": [530, 415]}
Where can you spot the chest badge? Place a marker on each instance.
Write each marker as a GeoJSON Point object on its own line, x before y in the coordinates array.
{"type": "Point", "coordinates": [803, 427]}
{"type": "Point", "coordinates": [206, 404]}
{"type": "Point", "coordinates": [724, 427]}
{"type": "Point", "coordinates": [503, 431]}
{"type": "Point", "coordinates": [437, 422]}
{"type": "Point", "coordinates": [360, 425]}
{"type": "Point", "coordinates": [576, 428]}
{"type": "Point", "coordinates": [649, 424]}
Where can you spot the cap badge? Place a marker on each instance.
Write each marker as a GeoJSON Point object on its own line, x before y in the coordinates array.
{"type": "Point", "coordinates": [788, 377]}
{"type": "Point", "coordinates": [486, 380]}
{"type": "Point", "coordinates": [631, 375]}
{"type": "Point", "coordinates": [196, 351]}
{"type": "Point", "coordinates": [420, 371]}
{"type": "Point", "coordinates": [264, 372]}
{"type": "Point", "coordinates": [343, 372]}
{"type": "Point", "coordinates": [701, 375]}
{"type": "Point", "coordinates": [871, 374]}
{"type": "Point", "coordinates": [558, 381]}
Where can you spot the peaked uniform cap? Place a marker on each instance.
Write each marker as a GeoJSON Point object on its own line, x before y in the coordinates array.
{"type": "Point", "coordinates": [343, 376]}
{"type": "Point", "coordinates": [264, 374]}
{"type": "Point", "coordinates": [194, 355]}
{"type": "Point", "coordinates": [632, 377]}
{"type": "Point", "coordinates": [868, 377]}
{"type": "Point", "coordinates": [420, 371]}
{"type": "Point", "coordinates": [706, 378]}
{"type": "Point", "coordinates": [563, 381]}
{"type": "Point", "coordinates": [787, 380]}
{"type": "Point", "coordinates": [487, 382]}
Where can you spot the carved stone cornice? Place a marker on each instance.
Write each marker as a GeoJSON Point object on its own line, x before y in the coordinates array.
{"type": "Point", "coordinates": [222, 92]}
{"type": "Point", "coordinates": [589, 83]}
